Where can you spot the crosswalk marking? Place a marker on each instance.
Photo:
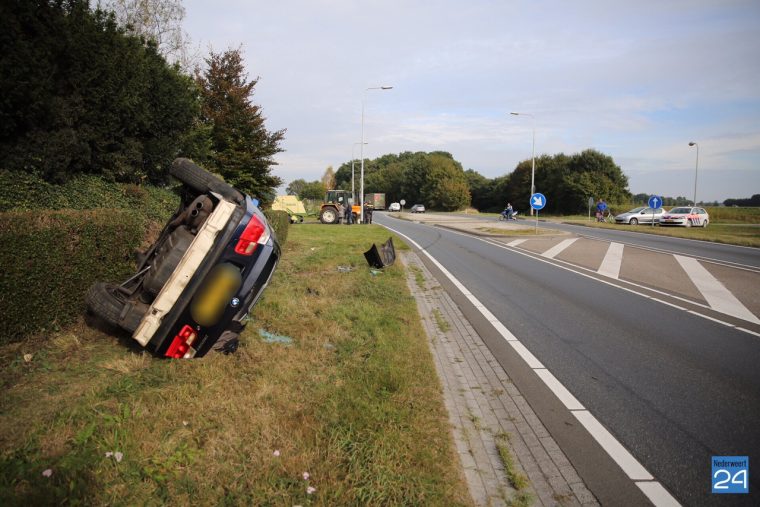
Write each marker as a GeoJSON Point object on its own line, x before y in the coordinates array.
{"type": "Point", "coordinates": [558, 248]}
{"type": "Point", "coordinates": [715, 293]}
{"type": "Point", "coordinates": [516, 242]}
{"type": "Point", "coordinates": [612, 261]}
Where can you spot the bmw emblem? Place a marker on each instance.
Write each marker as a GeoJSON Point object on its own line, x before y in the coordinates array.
{"type": "Point", "coordinates": [235, 302]}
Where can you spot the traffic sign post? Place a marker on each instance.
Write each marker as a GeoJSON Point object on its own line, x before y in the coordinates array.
{"type": "Point", "coordinates": [590, 204]}
{"type": "Point", "coordinates": [537, 202]}
{"type": "Point", "coordinates": [402, 202]}
{"type": "Point", "coordinates": [655, 201]}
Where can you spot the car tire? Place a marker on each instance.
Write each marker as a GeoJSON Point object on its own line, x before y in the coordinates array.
{"type": "Point", "coordinates": [688, 223]}
{"type": "Point", "coordinates": [106, 301]}
{"type": "Point", "coordinates": [704, 225]}
{"type": "Point", "coordinates": [202, 181]}
{"type": "Point", "coordinates": [634, 221]}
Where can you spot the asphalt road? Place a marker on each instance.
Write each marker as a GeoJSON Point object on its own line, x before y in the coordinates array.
{"type": "Point", "coordinates": [675, 389]}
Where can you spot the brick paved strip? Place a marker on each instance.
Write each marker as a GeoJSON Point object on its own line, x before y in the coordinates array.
{"type": "Point", "coordinates": [486, 410]}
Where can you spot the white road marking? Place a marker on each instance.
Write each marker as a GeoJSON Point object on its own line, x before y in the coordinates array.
{"type": "Point", "coordinates": [715, 293]}
{"type": "Point", "coordinates": [612, 260]}
{"type": "Point", "coordinates": [517, 242]}
{"type": "Point", "coordinates": [526, 354]}
{"type": "Point", "coordinates": [609, 443]}
{"type": "Point", "coordinates": [570, 401]}
{"type": "Point", "coordinates": [657, 494]}
{"type": "Point", "coordinates": [558, 248]}
{"type": "Point", "coordinates": [615, 449]}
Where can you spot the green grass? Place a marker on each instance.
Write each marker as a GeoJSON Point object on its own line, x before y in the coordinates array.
{"type": "Point", "coordinates": [517, 480]}
{"type": "Point", "coordinates": [355, 402]}
{"type": "Point", "coordinates": [442, 323]}
{"type": "Point", "coordinates": [732, 234]}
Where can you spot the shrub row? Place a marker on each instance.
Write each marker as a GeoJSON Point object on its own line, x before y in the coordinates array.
{"type": "Point", "coordinates": [280, 222]}
{"type": "Point", "coordinates": [20, 191]}
{"type": "Point", "coordinates": [50, 259]}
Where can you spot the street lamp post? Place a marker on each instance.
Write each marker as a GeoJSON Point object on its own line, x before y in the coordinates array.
{"type": "Point", "coordinates": [532, 156]}
{"type": "Point", "coordinates": [361, 151]}
{"type": "Point", "coordinates": [696, 171]}
{"type": "Point", "coordinates": [353, 159]}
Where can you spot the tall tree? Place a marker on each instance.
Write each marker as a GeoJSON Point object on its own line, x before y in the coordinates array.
{"type": "Point", "coordinates": [242, 147]}
{"type": "Point", "coordinates": [328, 177]}
{"type": "Point", "coordinates": [80, 95]}
{"type": "Point", "coordinates": [159, 21]}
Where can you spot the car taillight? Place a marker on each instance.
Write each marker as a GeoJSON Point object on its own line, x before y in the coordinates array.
{"type": "Point", "coordinates": [182, 344]}
{"type": "Point", "coordinates": [255, 233]}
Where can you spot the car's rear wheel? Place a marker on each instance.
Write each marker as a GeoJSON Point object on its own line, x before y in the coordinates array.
{"type": "Point", "coordinates": [634, 221]}
{"type": "Point", "coordinates": [201, 180]}
{"type": "Point", "coordinates": [704, 224]}
{"type": "Point", "coordinates": [109, 304]}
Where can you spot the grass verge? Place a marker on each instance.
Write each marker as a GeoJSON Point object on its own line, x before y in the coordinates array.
{"type": "Point", "coordinates": [732, 234]}
{"type": "Point", "coordinates": [354, 402]}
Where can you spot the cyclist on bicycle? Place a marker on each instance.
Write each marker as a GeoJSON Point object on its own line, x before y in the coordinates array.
{"type": "Point", "coordinates": [601, 208]}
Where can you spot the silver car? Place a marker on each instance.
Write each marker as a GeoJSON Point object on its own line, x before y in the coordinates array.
{"type": "Point", "coordinates": [640, 215]}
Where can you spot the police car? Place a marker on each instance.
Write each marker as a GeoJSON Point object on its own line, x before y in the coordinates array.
{"type": "Point", "coordinates": [686, 216]}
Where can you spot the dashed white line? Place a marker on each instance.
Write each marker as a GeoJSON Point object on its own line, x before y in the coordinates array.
{"type": "Point", "coordinates": [615, 449]}
{"type": "Point", "coordinates": [715, 293]}
{"type": "Point", "coordinates": [558, 248]}
{"type": "Point", "coordinates": [517, 242]}
{"type": "Point", "coordinates": [560, 391]}
{"type": "Point", "coordinates": [657, 494]}
{"type": "Point", "coordinates": [612, 261]}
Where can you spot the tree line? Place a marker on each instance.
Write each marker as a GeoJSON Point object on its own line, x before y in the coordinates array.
{"type": "Point", "coordinates": [438, 181]}
{"type": "Point", "coordinates": [84, 94]}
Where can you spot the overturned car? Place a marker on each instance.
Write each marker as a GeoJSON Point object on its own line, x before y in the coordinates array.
{"type": "Point", "coordinates": [194, 287]}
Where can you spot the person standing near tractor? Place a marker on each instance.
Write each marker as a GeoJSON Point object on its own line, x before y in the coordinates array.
{"type": "Point", "coordinates": [368, 213]}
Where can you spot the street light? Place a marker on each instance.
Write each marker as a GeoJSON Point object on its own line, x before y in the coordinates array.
{"type": "Point", "coordinates": [532, 157]}
{"type": "Point", "coordinates": [361, 151]}
{"type": "Point", "coordinates": [696, 171]}
{"type": "Point", "coordinates": [353, 159]}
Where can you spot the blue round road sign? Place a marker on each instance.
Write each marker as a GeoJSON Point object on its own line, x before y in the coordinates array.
{"type": "Point", "coordinates": [537, 201]}
{"type": "Point", "coordinates": [655, 201]}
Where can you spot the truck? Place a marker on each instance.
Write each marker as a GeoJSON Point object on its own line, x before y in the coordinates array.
{"type": "Point", "coordinates": [377, 201]}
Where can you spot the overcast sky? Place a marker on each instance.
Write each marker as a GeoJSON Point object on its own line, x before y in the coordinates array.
{"type": "Point", "coordinates": [634, 79]}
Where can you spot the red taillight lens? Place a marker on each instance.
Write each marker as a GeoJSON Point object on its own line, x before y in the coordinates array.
{"type": "Point", "coordinates": [182, 342]}
{"type": "Point", "coordinates": [255, 233]}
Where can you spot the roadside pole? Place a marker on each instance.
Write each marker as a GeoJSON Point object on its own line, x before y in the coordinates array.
{"type": "Point", "coordinates": [537, 202]}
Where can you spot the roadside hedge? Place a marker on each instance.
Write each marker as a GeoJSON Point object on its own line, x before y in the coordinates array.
{"type": "Point", "coordinates": [280, 222]}
{"type": "Point", "coordinates": [50, 259]}
{"type": "Point", "coordinates": [21, 191]}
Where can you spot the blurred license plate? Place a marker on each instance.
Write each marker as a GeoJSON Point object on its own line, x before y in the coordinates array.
{"type": "Point", "coordinates": [215, 293]}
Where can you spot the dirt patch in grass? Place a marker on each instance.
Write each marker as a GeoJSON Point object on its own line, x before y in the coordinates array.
{"type": "Point", "coordinates": [354, 402]}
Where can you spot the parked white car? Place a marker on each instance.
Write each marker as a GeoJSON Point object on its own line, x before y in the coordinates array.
{"type": "Point", "coordinates": [686, 216]}
{"type": "Point", "coordinates": [394, 207]}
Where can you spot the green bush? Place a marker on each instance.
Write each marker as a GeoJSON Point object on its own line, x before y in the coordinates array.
{"type": "Point", "coordinates": [280, 222]}
{"type": "Point", "coordinates": [20, 191]}
{"type": "Point", "coordinates": [50, 259]}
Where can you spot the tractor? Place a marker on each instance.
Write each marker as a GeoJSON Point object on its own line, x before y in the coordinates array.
{"type": "Point", "coordinates": [329, 214]}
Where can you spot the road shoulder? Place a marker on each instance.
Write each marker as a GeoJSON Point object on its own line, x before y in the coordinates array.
{"type": "Point", "coordinates": [488, 414]}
